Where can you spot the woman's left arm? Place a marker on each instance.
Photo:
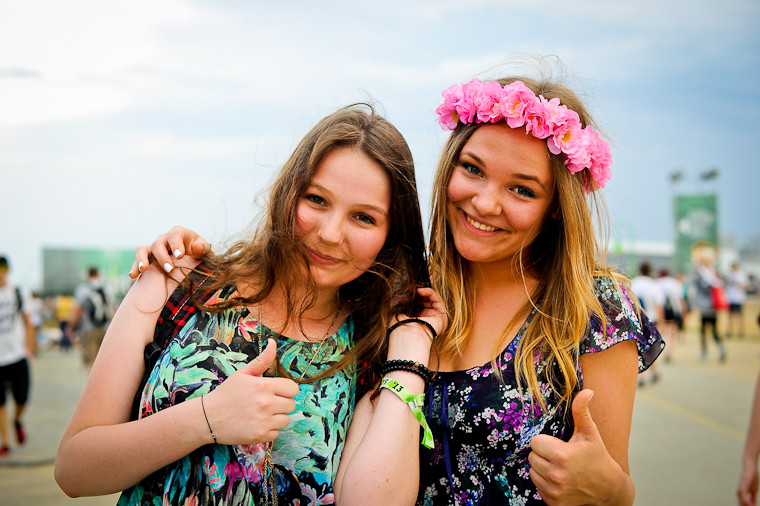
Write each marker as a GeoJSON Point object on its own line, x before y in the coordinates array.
{"type": "Point", "coordinates": [592, 467]}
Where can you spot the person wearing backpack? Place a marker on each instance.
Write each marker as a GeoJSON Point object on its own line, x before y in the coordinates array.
{"type": "Point", "coordinates": [91, 315]}
{"type": "Point", "coordinates": [16, 346]}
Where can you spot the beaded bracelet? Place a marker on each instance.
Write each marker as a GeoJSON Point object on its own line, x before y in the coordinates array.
{"type": "Point", "coordinates": [415, 403]}
{"type": "Point", "coordinates": [412, 320]}
{"type": "Point", "coordinates": [409, 366]}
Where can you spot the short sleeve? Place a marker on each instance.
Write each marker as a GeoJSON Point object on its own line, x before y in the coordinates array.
{"type": "Point", "coordinates": [623, 324]}
{"type": "Point", "coordinates": [27, 301]}
{"type": "Point", "coordinates": [80, 293]}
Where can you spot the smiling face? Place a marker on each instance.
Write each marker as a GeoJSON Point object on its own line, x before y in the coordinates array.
{"type": "Point", "coordinates": [499, 193]}
{"type": "Point", "coordinates": [343, 218]}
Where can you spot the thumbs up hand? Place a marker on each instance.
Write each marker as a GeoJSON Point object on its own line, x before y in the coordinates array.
{"type": "Point", "coordinates": [568, 473]}
{"type": "Point", "coordinates": [248, 408]}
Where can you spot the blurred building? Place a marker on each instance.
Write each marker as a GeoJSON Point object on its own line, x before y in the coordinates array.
{"type": "Point", "coordinates": [628, 255]}
{"type": "Point", "coordinates": [63, 269]}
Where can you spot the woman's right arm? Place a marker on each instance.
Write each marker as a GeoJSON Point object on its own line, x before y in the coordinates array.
{"type": "Point", "coordinates": [380, 461]}
{"type": "Point", "coordinates": [748, 480]}
{"type": "Point", "coordinates": [103, 452]}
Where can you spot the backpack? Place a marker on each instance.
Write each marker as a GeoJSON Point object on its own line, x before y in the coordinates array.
{"type": "Point", "coordinates": [19, 301]}
{"type": "Point", "coordinates": [175, 314]}
{"type": "Point", "coordinates": [96, 306]}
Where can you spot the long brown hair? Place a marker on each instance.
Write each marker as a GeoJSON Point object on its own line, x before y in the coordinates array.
{"type": "Point", "coordinates": [275, 258]}
{"type": "Point", "coordinates": [565, 255]}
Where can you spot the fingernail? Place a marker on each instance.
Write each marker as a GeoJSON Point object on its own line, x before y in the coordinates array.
{"type": "Point", "coordinates": [168, 267]}
{"type": "Point", "coordinates": [177, 253]}
{"type": "Point", "coordinates": [140, 266]}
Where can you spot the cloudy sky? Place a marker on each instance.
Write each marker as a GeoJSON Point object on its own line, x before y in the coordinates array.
{"type": "Point", "coordinates": [120, 119]}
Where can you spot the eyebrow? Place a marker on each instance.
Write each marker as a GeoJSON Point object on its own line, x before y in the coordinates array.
{"type": "Point", "coordinates": [519, 175]}
{"type": "Point", "coordinates": [367, 207]}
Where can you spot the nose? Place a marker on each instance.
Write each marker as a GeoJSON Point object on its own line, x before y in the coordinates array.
{"type": "Point", "coordinates": [330, 230]}
{"type": "Point", "coordinates": [487, 201]}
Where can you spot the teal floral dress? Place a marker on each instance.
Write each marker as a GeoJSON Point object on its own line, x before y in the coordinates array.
{"type": "Point", "coordinates": [482, 427]}
{"type": "Point", "coordinates": [205, 352]}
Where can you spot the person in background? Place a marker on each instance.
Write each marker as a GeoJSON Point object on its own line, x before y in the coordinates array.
{"type": "Point", "coordinates": [38, 317]}
{"type": "Point", "coordinates": [91, 315]}
{"type": "Point", "coordinates": [737, 284]}
{"type": "Point", "coordinates": [748, 478]}
{"type": "Point", "coordinates": [704, 281]}
{"type": "Point", "coordinates": [673, 311]}
{"type": "Point", "coordinates": [17, 345]}
{"type": "Point", "coordinates": [63, 310]}
{"type": "Point", "coordinates": [652, 299]}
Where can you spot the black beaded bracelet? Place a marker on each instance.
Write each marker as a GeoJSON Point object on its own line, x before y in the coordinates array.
{"type": "Point", "coordinates": [409, 366]}
{"type": "Point", "coordinates": [413, 320]}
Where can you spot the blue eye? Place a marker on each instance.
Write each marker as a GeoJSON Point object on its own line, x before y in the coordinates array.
{"type": "Point", "coordinates": [471, 169]}
{"type": "Point", "coordinates": [365, 218]}
{"type": "Point", "coordinates": [524, 192]}
{"type": "Point", "coordinates": [316, 199]}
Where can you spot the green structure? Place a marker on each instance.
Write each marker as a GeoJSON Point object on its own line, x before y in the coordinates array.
{"type": "Point", "coordinates": [64, 269]}
{"type": "Point", "coordinates": [695, 219]}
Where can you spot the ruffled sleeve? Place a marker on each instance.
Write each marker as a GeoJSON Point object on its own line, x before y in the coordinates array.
{"type": "Point", "coordinates": [623, 324]}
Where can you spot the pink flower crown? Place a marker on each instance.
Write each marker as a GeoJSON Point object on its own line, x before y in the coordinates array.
{"type": "Point", "coordinates": [489, 102]}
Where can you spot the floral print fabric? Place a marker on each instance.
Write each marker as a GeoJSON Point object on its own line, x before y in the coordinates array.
{"type": "Point", "coordinates": [482, 428]}
{"type": "Point", "coordinates": [206, 351]}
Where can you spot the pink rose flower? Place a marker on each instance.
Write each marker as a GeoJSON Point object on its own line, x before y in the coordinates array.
{"type": "Point", "coordinates": [538, 120]}
{"type": "Point", "coordinates": [577, 155]}
{"type": "Point", "coordinates": [479, 102]}
{"type": "Point", "coordinates": [566, 126]}
{"type": "Point", "coordinates": [466, 107]}
{"type": "Point", "coordinates": [487, 102]}
{"type": "Point", "coordinates": [601, 159]}
{"type": "Point", "coordinates": [516, 103]}
{"type": "Point", "coordinates": [447, 118]}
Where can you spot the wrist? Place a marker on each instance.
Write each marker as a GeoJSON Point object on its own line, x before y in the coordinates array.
{"type": "Point", "coordinates": [411, 366]}
{"type": "Point", "coordinates": [414, 401]}
{"type": "Point", "coordinates": [409, 342]}
{"type": "Point", "coordinates": [749, 459]}
{"type": "Point", "coordinates": [206, 430]}
{"type": "Point", "coordinates": [411, 380]}
{"type": "Point", "coordinates": [623, 493]}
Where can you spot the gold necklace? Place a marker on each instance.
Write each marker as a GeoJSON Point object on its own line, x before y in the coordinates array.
{"type": "Point", "coordinates": [270, 487]}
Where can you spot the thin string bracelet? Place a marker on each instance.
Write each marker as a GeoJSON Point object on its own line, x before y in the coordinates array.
{"type": "Point", "coordinates": [206, 417]}
{"type": "Point", "coordinates": [413, 320]}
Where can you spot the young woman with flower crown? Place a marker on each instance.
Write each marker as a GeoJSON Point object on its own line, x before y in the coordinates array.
{"type": "Point", "coordinates": [338, 257]}
{"type": "Point", "coordinates": [537, 325]}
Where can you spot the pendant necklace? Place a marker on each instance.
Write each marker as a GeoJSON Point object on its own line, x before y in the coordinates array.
{"type": "Point", "coordinates": [270, 487]}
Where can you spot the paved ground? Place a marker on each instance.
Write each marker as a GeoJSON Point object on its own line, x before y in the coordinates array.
{"type": "Point", "coordinates": [687, 435]}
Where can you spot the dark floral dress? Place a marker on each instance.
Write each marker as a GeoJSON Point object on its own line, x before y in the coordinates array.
{"type": "Point", "coordinates": [482, 428]}
{"type": "Point", "coordinates": [205, 352]}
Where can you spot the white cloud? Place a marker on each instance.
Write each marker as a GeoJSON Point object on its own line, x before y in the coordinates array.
{"type": "Point", "coordinates": [74, 50]}
{"type": "Point", "coordinates": [145, 100]}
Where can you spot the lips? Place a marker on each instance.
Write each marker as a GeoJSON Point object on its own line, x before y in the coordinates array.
{"type": "Point", "coordinates": [478, 225]}
{"type": "Point", "coordinates": [321, 258]}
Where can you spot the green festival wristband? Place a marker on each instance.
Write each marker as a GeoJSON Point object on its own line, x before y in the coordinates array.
{"type": "Point", "coordinates": [415, 403]}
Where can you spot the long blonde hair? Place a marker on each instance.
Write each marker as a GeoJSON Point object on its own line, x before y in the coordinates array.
{"type": "Point", "coordinates": [566, 256]}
